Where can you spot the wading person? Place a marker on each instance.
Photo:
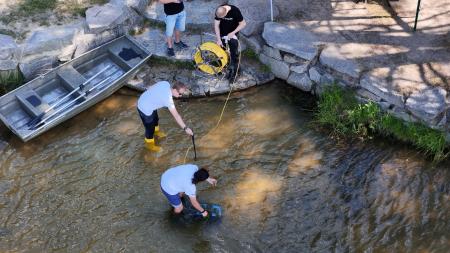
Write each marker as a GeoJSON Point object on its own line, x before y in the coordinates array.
{"type": "Point", "coordinates": [227, 24]}
{"type": "Point", "coordinates": [158, 96]}
{"type": "Point", "coordinates": [175, 20]}
{"type": "Point", "coordinates": [181, 180]}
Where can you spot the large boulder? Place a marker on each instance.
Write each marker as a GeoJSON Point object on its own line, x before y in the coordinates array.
{"type": "Point", "coordinates": [375, 82]}
{"type": "Point", "coordinates": [139, 6]}
{"type": "Point", "coordinates": [256, 13]}
{"type": "Point", "coordinates": [428, 105]}
{"type": "Point", "coordinates": [292, 40]}
{"type": "Point", "coordinates": [37, 66]}
{"type": "Point", "coordinates": [279, 68]}
{"type": "Point", "coordinates": [105, 17]}
{"type": "Point", "coordinates": [86, 42]}
{"type": "Point", "coordinates": [332, 57]}
{"type": "Point", "coordinates": [51, 39]}
{"type": "Point", "coordinates": [8, 48]}
{"type": "Point", "coordinates": [300, 81]}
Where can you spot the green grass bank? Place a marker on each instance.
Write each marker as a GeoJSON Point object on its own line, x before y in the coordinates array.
{"type": "Point", "coordinates": [339, 109]}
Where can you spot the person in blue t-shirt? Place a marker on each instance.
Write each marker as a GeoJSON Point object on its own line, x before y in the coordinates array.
{"type": "Point", "coordinates": [158, 96]}
{"type": "Point", "coordinates": [181, 180]}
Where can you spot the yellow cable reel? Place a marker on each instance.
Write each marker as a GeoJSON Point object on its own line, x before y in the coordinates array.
{"type": "Point", "coordinates": [211, 58]}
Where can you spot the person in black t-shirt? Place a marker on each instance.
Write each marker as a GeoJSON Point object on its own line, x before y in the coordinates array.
{"type": "Point", "coordinates": [227, 24]}
{"type": "Point", "coordinates": [175, 20]}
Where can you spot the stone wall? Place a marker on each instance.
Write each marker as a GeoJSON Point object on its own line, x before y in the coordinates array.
{"type": "Point", "coordinates": [295, 55]}
{"type": "Point", "coordinates": [46, 48]}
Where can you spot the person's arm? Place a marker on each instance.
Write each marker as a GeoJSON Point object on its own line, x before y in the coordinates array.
{"type": "Point", "coordinates": [169, 1]}
{"type": "Point", "coordinates": [217, 31]}
{"type": "Point", "coordinates": [241, 26]}
{"type": "Point", "coordinates": [180, 121]}
{"type": "Point", "coordinates": [197, 206]}
{"type": "Point", "coordinates": [212, 181]}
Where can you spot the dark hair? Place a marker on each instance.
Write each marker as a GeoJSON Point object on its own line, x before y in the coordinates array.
{"type": "Point", "coordinates": [200, 175]}
{"type": "Point", "coordinates": [177, 85]}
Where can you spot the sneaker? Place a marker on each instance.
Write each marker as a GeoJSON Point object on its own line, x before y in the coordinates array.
{"type": "Point", "coordinates": [170, 52]}
{"type": "Point", "coordinates": [181, 45]}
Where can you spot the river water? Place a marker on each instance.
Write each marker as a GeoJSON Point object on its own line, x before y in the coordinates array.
{"type": "Point", "coordinates": [88, 185]}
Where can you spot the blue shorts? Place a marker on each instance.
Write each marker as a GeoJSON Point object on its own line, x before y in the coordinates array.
{"type": "Point", "coordinates": [174, 200]}
{"type": "Point", "coordinates": [175, 21]}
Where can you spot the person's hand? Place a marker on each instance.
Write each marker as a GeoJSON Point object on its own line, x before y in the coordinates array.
{"type": "Point", "coordinates": [205, 214]}
{"type": "Point", "coordinates": [219, 42]}
{"type": "Point", "coordinates": [189, 131]}
{"type": "Point", "coordinates": [231, 35]}
{"type": "Point", "coordinates": [212, 181]}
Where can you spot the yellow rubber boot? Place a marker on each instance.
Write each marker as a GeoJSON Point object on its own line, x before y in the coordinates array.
{"type": "Point", "coordinates": [159, 133]}
{"type": "Point", "coordinates": [150, 145]}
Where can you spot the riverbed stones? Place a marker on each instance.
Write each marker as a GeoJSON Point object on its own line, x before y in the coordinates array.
{"type": "Point", "coordinates": [254, 42]}
{"type": "Point", "coordinates": [300, 68]}
{"type": "Point", "coordinates": [255, 12]}
{"type": "Point", "coordinates": [334, 59]}
{"type": "Point", "coordinates": [37, 66]}
{"type": "Point", "coordinates": [8, 48]}
{"type": "Point", "coordinates": [279, 68]}
{"type": "Point", "coordinates": [100, 18]}
{"type": "Point", "coordinates": [52, 39]}
{"type": "Point", "coordinates": [272, 52]}
{"type": "Point", "coordinates": [428, 105]}
{"type": "Point", "coordinates": [296, 41]}
{"type": "Point", "coordinates": [300, 81]}
{"type": "Point", "coordinates": [315, 74]}
{"type": "Point", "coordinates": [375, 82]}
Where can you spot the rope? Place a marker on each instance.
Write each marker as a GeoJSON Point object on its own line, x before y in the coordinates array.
{"type": "Point", "coordinates": [228, 97]}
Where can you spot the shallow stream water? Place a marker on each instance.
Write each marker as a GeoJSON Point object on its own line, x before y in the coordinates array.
{"type": "Point", "coordinates": [88, 185]}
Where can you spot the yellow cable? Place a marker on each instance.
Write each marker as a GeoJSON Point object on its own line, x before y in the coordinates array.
{"type": "Point", "coordinates": [228, 97]}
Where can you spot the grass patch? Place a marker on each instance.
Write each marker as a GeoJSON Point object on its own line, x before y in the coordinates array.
{"type": "Point", "coordinates": [172, 63]}
{"type": "Point", "coordinates": [250, 54]}
{"type": "Point", "coordinates": [339, 109]}
{"type": "Point", "coordinates": [10, 81]}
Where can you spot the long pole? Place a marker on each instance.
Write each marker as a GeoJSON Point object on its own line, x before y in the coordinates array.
{"type": "Point", "coordinates": [195, 151]}
{"type": "Point", "coordinates": [417, 15]}
{"type": "Point", "coordinates": [271, 10]}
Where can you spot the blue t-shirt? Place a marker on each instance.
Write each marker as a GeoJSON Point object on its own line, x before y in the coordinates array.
{"type": "Point", "coordinates": [179, 179]}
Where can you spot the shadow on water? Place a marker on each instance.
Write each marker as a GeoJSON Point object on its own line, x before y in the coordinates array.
{"type": "Point", "coordinates": [88, 185]}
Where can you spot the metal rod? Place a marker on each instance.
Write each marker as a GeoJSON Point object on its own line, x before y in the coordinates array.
{"type": "Point", "coordinates": [417, 15]}
{"type": "Point", "coordinates": [44, 120]}
{"type": "Point", "coordinates": [38, 118]}
{"type": "Point", "coordinates": [195, 151]}
{"type": "Point", "coordinates": [271, 10]}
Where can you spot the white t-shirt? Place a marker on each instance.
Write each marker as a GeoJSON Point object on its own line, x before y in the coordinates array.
{"type": "Point", "coordinates": [179, 179]}
{"type": "Point", "coordinates": [157, 96]}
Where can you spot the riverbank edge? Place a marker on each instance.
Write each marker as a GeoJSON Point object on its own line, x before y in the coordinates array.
{"type": "Point", "coordinates": [291, 54]}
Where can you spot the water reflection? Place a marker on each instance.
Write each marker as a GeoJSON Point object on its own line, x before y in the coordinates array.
{"type": "Point", "coordinates": [89, 185]}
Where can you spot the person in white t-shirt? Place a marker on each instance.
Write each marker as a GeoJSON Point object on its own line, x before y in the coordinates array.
{"type": "Point", "coordinates": [181, 180]}
{"type": "Point", "coordinates": [158, 96]}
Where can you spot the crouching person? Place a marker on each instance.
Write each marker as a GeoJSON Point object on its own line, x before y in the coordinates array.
{"type": "Point", "coordinates": [181, 180]}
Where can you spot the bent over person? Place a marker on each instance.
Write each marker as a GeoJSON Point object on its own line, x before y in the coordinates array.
{"type": "Point", "coordinates": [227, 24]}
{"type": "Point", "coordinates": [158, 96]}
{"type": "Point", "coordinates": [181, 180]}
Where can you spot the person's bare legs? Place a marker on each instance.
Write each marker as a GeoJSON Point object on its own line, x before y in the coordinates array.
{"type": "Point", "coordinates": [177, 36]}
{"type": "Point", "coordinates": [170, 41]}
{"type": "Point", "coordinates": [178, 209]}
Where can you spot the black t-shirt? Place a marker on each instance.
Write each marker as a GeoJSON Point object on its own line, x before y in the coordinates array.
{"type": "Point", "coordinates": [173, 8]}
{"type": "Point", "coordinates": [231, 21]}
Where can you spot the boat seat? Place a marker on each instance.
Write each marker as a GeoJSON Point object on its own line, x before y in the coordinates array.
{"type": "Point", "coordinates": [71, 78]}
{"type": "Point", "coordinates": [32, 102]}
{"type": "Point", "coordinates": [126, 58]}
